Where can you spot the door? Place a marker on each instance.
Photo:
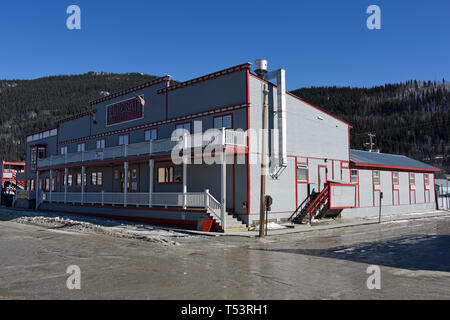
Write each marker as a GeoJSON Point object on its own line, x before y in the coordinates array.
{"type": "Point", "coordinates": [323, 179]}
{"type": "Point", "coordinates": [396, 199]}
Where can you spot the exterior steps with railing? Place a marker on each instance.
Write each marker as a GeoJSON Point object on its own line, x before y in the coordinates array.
{"type": "Point", "coordinates": [233, 224]}
{"type": "Point", "coordinates": [316, 206]}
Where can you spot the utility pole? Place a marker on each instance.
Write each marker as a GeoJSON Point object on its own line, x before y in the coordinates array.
{"type": "Point", "coordinates": [264, 161]}
{"type": "Point", "coordinates": [371, 144]}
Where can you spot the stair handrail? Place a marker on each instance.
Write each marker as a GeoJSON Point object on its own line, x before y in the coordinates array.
{"type": "Point", "coordinates": [211, 205]}
{"type": "Point", "coordinates": [313, 206]}
{"type": "Point", "coordinates": [300, 207]}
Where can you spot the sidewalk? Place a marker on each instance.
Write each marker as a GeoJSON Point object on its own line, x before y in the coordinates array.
{"type": "Point", "coordinates": [335, 224]}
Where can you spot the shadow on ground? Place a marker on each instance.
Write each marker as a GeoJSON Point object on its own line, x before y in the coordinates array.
{"type": "Point", "coordinates": [412, 252]}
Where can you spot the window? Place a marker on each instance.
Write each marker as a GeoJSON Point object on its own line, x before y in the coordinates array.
{"type": "Point", "coordinates": [426, 178]}
{"type": "Point", "coordinates": [412, 179]}
{"type": "Point", "coordinates": [37, 152]}
{"type": "Point", "coordinates": [354, 176]}
{"type": "Point", "coordinates": [94, 178]}
{"type": "Point", "coordinates": [81, 147]}
{"type": "Point", "coordinates": [47, 184]}
{"type": "Point", "coordinates": [69, 180]}
{"type": "Point", "coordinates": [169, 175]}
{"type": "Point", "coordinates": [101, 144]}
{"type": "Point", "coordinates": [376, 177]}
{"type": "Point", "coordinates": [395, 179]}
{"type": "Point", "coordinates": [186, 126]}
{"type": "Point", "coordinates": [302, 174]}
{"type": "Point", "coordinates": [133, 174]}
{"type": "Point", "coordinates": [53, 184]}
{"type": "Point", "coordinates": [64, 150]}
{"type": "Point", "coordinates": [124, 139]}
{"type": "Point", "coordinates": [78, 179]}
{"type": "Point", "coordinates": [97, 178]}
{"type": "Point", "coordinates": [116, 174]}
{"type": "Point", "coordinates": [151, 134]}
{"type": "Point", "coordinates": [134, 186]}
{"type": "Point", "coordinates": [223, 121]}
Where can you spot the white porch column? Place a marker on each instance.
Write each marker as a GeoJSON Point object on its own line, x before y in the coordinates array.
{"type": "Point", "coordinates": [83, 171]}
{"type": "Point", "coordinates": [223, 189]}
{"type": "Point", "coordinates": [51, 185]}
{"type": "Point", "coordinates": [66, 174]}
{"type": "Point", "coordinates": [151, 165]}
{"type": "Point", "coordinates": [125, 182]}
{"type": "Point", "coordinates": [37, 189]}
{"type": "Point", "coordinates": [184, 185]}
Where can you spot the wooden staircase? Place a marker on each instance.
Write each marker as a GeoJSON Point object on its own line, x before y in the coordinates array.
{"type": "Point", "coordinates": [316, 206]}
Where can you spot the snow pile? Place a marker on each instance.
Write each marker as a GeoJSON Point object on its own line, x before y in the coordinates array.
{"type": "Point", "coordinates": [96, 225]}
{"type": "Point", "coordinates": [270, 226]}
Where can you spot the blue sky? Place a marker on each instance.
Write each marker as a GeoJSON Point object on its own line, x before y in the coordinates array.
{"type": "Point", "coordinates": [318, 42]}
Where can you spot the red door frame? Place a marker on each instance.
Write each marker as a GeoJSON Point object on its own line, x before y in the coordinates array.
{"type": "Point", "coordinates": [326, 175]}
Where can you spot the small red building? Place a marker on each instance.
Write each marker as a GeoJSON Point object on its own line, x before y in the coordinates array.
{"type": "Point", "coordinates": [9, 182]}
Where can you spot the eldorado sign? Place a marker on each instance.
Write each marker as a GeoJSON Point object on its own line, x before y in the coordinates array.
{"type": "Point", "coordinates": [123, 111]}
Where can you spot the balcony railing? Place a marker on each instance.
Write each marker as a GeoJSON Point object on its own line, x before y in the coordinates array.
{"type": "Point", "coordinates": [196, 200]}
{"type": "Point", "coordinates": [220, 138]}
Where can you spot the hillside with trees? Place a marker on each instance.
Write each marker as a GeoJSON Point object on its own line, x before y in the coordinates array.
{"type": "Point", "coordinates": [409, 118]}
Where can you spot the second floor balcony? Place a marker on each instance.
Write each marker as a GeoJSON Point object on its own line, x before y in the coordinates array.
{"type": "Point", "coordinates": [224, 137]}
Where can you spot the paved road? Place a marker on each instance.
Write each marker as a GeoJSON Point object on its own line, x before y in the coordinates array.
{"type": "Point", "coordinates": [414, 258]}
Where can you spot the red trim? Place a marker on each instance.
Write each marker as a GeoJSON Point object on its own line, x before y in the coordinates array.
{"type": "Point", "coordinates": [294, 96]}
{"type": "Point", "coordinates": [41, 131]}
{"type": "Point", "coordinates": [318, 177]}
{"type": "Point", "coordinates": [130, 90]}
{"type": "Point", "coordinates": [342, 185]}
{"type": "Point", "coordinates": [234, 186]}
{"type": "Point", "coordinates": [207, 77]}
{"type": "Point", "coordinates": [184, 224]}
{"type": "Point", "coordinates": [370, 165]}
{"type": "Point", "coordinates": [158, 123]}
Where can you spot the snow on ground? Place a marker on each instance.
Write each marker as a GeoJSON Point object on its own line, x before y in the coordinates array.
{"type": "Point", "coordinates": [82, 224]}
{"type": "Point", "coordinates": [270, 226]}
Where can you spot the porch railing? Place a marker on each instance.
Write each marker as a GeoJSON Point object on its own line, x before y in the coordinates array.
{"type": "Point", "coordinates": [224, 137]}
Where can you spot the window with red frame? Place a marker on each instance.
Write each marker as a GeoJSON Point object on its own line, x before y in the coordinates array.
{"type": "Point", "coordinates": [376, 177]}
{"type": "Point", "coordinates": [412, 179]}
{"type": "Point", "coordinates": [223, 122]}
{"type": "Point", "coordinates": [395, 179]}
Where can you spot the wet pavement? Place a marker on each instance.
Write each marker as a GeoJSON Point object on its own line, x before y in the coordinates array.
{"type": "Point", "coordinates": [414, 257]}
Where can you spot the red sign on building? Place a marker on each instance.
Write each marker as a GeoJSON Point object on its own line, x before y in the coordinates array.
{"type": "Point", "coordinates": [123, 111]}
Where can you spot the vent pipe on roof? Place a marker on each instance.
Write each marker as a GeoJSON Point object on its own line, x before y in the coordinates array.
{"type": "Point", "coordinates": [279, 138]}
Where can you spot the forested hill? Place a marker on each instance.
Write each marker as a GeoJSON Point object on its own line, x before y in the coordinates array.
{"type": "Point", "coordinates": [30, 105]}
{"type": "Point", "coordinates": [409, 118]}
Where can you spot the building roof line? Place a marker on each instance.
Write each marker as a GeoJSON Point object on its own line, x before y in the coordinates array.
{"type": "Point", "coordinates": [210, 76]}
{"type": "Point", "coordinates": [129, 90]}
{"type": "Point", "coordinates": [309, 104]}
